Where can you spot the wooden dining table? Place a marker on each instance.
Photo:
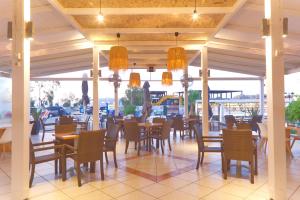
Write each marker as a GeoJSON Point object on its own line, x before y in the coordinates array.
{"type": "Point", "coordinates": [148, 127]}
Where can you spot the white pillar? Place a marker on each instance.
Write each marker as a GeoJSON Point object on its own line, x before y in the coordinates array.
{"type": "Point", "coordinates": [262, 97]}
{"type": "Point", "coordinates": [20, 101]}
{"type": "Point", "coordinates": [116, 86]}
{"type": "Point", "coordinates": [96, 62]}
{"type": "Point", "coordinates": [186, 95]}
{"type": "Point", "coordinates": [277, 176]}
{"type": "Point", "coordinates": [204, 79]}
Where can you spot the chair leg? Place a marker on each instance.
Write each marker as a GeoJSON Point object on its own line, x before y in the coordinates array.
{"type": "Point", "coordinates": [169, 142]}
{"type": "Point", "coordinates": [198, 160]}
{"type": "Point", "coordinates": [43, 135]}
{"type": "Point", "coordinates": [115, 158]}
{"type": "Point", "coordinates": [162, 147]}
{"type": "Point", "coordinates": [55, 166]}
{"type": "Point", "coordinates": [101, 167]}
{"type": "Point", "coordinates": [255, 157]}
{"type": "Point", "coordinates": [106, 157]}
{"type": "Point", "coordinates": [135, 145]}
{"type": "Point", "coordinates": [225, 168]}
{"type": "Point", "coordinates": [127, 144]}
{"type": "Point", "coordinates": [139, 148]}
{"type": "Point", "coordinates": [78, 172]}
{"type": "Point", "coordinates": [293, 142]}
{"type": "Point", "coordinates": [252, 172]}
{"type": "Point", "coordinates": [31, 175]}
{"type": "Point", "coordinates": [202, 157]}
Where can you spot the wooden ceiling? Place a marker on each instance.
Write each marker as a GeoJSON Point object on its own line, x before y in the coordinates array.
{"type": "Point", "coordinates": [144, 3]}
{"type": "Point", "coordinates": [147, 24]}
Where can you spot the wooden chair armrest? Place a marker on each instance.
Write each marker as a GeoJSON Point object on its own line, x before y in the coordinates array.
{"type": "Point", "coordinates": [215, 140]}
{"type": "Point", "coordinates": [109, 140]}
{"type": "Point", "coordinates": [212, 137]}
{"type": "Point", "coordinates": [50, 124]}
{"type": "Point", "coordinates": [48, 148]}
{"type": "Point", "coordinates": [44, 143]}
{"type": "Point", "coordinates": [69, 147]}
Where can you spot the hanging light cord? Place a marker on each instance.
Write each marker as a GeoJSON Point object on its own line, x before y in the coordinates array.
{"type": "Point", "coordinates": [195, 5]}
{"type": "Point", "coordinates": [100, 5]}
{"type": "Point", "coordinates": [118, 36]}
{"type": "Point", "coordinates": [176, 36]}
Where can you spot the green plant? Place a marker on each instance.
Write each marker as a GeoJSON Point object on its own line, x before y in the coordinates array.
{"type": "Point", "coordinates": [129, 109]}
{"type": "Point", "coordinates": [292, 111]}
{"type": "Point", "coordinates": [36, 113]}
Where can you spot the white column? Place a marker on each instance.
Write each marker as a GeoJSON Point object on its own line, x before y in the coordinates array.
{"type": "Point", "coordinates": [20, 101]}
{"type": "Point", "coordinates": [116, 86]}
{"type": "Point", "coordinates": [204, 79]}
{"type": "Point", "coordinates": [277, 176]}
{"type": "Point", "coordinates": [186, 95]}
{"type": "Point", "coordinates": [262, 97]}
{"type": "Point", "coordinates": [96, 62]}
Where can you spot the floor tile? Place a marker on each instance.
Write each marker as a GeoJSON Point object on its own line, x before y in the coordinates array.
{"type": "Point", "coordinates": [178, 195]}
{"type": "Point", "coordinates": [196, 190]}
{"type": "Point", "coordinates": [136, 195]}
{"type": "Point", "coordinates": [157, 190]}
{"type": "Point", "coordinates": [118, 190]}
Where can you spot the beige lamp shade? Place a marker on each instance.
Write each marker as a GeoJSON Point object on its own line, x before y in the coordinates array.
{"type": "Point", "coordinates": [134, 80]}
{"type": "Point", "coordinates": [176, 59]}
{"type": "Point", "coordinates": [167, 78]}
{"type": "Point", "coordinates": [118, 58]}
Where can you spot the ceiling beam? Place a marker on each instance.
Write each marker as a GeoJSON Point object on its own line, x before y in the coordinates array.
{"type": "Point", "coordinates": [147, 30]}
{"type": "Point", "coordinates": [146, 11]}
{"type": "Point", "coordinates": [237, 6]}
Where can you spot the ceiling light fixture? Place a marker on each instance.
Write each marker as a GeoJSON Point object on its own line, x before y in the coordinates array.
{"type": "Point", "coordinates": [195, 14]}
{"type": "Point", "coordinates": [176, 57]}
{"type": "Point", "coordinates": [100, 16]}
{"type": "Point", "coordinates": [118, 57]}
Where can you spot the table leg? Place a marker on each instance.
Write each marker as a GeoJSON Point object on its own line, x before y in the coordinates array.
{"type": "Point", "coordinates": [92, 167]}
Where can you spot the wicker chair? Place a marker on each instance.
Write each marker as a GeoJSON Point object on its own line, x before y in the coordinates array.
{"type": "Point", "coordinates": [47, 127]}
{"type": "Point", "coordinates": [238, 145]}
{"type": "Point", "coordinates": [110, 142]}
{"type": "Point", "coordinates": [230, 121]}
{"type": "Point", "coordinates": [94, 140]}
{"type": "Point", "coordinates": [84, 125]}
{"type": "Point", "coordinates": [133, 133]}
{"type": "Point", "coordinates": [65, 120]}
{"type": "Point", "coordinates": [163, 135]}
{"type": "Point", "coordinates": [55, 156]}
{"type": "Point", "coordinates": [202, 148]}
{"type": "Point", "coordinates": [243, 125]}
{"type": "Point", "coordinates": [65, 128]}
{"type": "Point", "coordinates": [179, 125]}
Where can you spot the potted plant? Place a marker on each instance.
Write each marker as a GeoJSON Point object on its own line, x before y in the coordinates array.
{"type": "Point", "coordinates": [292, 112]}
{"type": "Point", "coordinates": [36, 113]}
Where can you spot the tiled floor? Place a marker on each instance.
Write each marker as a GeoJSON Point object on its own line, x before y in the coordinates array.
{"type": "Point", "coordinates": [155, 176]}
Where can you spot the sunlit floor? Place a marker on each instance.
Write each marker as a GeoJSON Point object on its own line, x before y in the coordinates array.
{"type": "Point", "coordinates": [154, 176]}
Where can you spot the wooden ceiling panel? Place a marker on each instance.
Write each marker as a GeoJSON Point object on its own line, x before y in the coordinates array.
{"type": "Point", "coordinates": [150, 21]}
{"type": "Point", "coordinates": [144, 3]}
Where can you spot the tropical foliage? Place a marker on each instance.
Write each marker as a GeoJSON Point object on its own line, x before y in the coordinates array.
{"type": "Point", "coordinates": [292, 111]}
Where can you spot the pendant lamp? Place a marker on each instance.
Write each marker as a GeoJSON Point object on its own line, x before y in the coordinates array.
{"type": "Point", "coordinates": [167, 78]}
{"type": "Point", "coordinates": [135, 79]}
{"type": "Point", "coordinates": [118, 57]}
{"type": "Point", "coordinates": [176, 57]}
